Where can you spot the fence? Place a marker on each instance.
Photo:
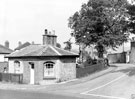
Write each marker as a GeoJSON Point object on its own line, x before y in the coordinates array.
{"type": "Point", "coordinates": [81, 72]}
{"type": "Point", "coordinates": [9, 77]}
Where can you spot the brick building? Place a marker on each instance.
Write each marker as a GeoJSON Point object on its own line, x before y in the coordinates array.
{"type": "Point", "coordinates": [43, 63]}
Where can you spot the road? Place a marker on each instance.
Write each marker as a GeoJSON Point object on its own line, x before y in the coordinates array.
{"type": "Point", "coordinates": [117, 84]}
{"type": "Point", "coordinates": [15, 94]}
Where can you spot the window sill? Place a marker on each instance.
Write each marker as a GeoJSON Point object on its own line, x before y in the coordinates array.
{"type": "Point", "coordinates": [49, 78]}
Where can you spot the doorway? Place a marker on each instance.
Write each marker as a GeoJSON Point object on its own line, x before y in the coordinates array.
{"type": "Point", "coordinates": [32, 73]}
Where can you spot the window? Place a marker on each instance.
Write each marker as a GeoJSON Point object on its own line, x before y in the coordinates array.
{"type": "Point", "coordinates": [17, 67]}
{"type": "Point", "coordinates": [49, 69]}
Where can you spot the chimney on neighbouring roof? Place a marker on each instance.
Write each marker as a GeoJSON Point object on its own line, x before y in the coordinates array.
{"type": "Point", "coordinates": [32, 43]}
{"type": "Point", "coordinates": [19, 43]}
{"type": "Point", "coordinates": [46, 32]}
{"type": "Point", "coordinates": [49, 38]}
{"type": "Point", "coordinates": [7, 44]}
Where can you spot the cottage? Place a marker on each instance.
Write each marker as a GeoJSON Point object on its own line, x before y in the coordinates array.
{"type": "Point", "coordinates": [43, 63]}
{"type": "Point", "coordinates": [4, 50]}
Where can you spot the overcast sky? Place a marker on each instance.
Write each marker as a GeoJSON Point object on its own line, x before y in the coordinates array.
{"type": "Point", "coordinates": [25, 20]}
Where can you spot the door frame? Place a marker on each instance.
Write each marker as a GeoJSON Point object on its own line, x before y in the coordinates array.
{"type": "Point", "coordinates": [32, 72]}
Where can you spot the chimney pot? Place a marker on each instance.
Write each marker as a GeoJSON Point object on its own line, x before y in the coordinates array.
{"type": "Point", "coordinates": [7, 44]}
{"type": "Point", "coordinates": [19, 43]}
{"type": "Point", "coordinates": [50, 33]}
{"type": "Point", "coordinates": [53, 32]}
{"type": "Point", "coordinates": [46, 32]}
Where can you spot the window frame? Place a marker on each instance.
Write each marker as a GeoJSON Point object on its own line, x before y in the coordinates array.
{"type": "Point", "coordinates": [17, 66]}
{"type": "Point", "coordinates": [50, 68]}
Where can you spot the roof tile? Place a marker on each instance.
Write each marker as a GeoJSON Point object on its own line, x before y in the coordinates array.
{"type": "Point", "coordinates": [5, 50]}
{"type": "Point", "coordinates": [41, 50]}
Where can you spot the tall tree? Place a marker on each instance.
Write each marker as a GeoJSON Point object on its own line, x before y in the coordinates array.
{"type": "Point", "coordinates": [101, 23]}
{"type": "Point", "coordinates": [68, 45]}
{"type": "Point", "coordinates": [131, 22]}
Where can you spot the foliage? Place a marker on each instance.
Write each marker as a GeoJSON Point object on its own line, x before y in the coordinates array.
{"type": "Point", "coordinates": [131, 24]}
{"type": "Point", "coordinates": [89, 60]}
{"type": "Point", "coordinates": [58, 45]}
{"type": "Point", "coordinates": [101, 23]}
{"type": "Point", "coordinates": [68, 45]}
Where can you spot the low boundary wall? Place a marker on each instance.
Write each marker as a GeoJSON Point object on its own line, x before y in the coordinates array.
{"type": "Point", "coordinates": [81, 72]}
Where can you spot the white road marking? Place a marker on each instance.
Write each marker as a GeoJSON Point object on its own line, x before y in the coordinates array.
{"type": "Point", "coordinates": [103, 85]}
{"type": "Point", "coordinates": [111, 97]}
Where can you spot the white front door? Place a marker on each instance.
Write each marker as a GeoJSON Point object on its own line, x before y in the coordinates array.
{"type": "Point", "coordinates": [31, 73]}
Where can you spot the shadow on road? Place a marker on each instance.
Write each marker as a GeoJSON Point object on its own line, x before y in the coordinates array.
{"type": "Point", "coordinates": [129, 71]}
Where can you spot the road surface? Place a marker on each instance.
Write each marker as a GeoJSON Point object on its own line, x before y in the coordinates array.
{"type": "Point", "coordinates": [15, 94]}
{"type": "Point", "coordinates": [117, 84]}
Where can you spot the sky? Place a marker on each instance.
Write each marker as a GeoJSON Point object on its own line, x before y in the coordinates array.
{"type": "Point", "coordinates": [25, 20]}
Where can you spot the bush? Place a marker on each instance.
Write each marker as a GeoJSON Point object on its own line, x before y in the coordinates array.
{"type": "Point", "coordinates": [94, 61]}
{"type": "Point", "coordinates": [100, 61]}
{"type": "Point", "coordinates": [89, 61]}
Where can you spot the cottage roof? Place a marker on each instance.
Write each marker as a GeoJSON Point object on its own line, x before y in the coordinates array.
{"type": "Point", "coordinates": [41, 50]}
{"type": "Point", "coordinates": [22, 46]}
{"type": "Point", "coordinates": [5, 50]}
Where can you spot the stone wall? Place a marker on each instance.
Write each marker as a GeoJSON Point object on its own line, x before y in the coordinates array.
{"type": "Point", "coordinates": [68, 69]}
{"type": "Point", "coordinates": [65, 68]}
{"type": "Point", "coordinates": [117, 57]}
{"type": "Point", "coordinates": [81, 72]}
{"type": "Point", "coordinates": [38, 68]}
{"type": "Point", "coordinates": [132, 53]}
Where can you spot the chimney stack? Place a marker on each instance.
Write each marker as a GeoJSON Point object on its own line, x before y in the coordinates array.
{"type": "Point", "coordinates": [49, 38]}
{"type": "Point", "coordinates": [7, 44]}
{"type": "Point", "coordinates": [46, 32]}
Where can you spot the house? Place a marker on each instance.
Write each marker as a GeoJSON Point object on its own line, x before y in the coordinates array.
{"type": "Point", "coordinates": [20, 46]}
{"type": "Point", "coordinates": [43, 63]}
{"type": "Point", "coordinates": [4, 50]}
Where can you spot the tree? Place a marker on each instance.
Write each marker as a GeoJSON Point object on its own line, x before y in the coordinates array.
{"type": "Point", "coordinates": [58, 45]}
{"type": "Point", "coordinates": [101, 23]}
{"type": "Point", "coordinates": [131, 22]}
{"type": "Point", "coordinates": [68, 45]}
